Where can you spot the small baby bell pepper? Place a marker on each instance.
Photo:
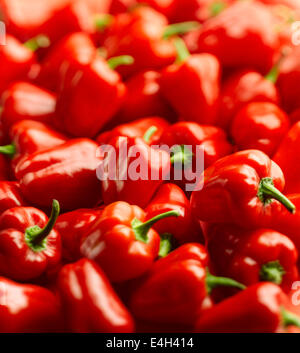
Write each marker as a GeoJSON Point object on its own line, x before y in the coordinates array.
{"type": "Point", "coordinates": [122, 242]}
{"type": "Point", "coordinates": [267, 123]}
{"type": "Point", "coordinates": [184, 228]}
{"type": "Point", "coordinates": [191, 85]}
{"type": "Point", "coordinates": [253, 256]}
{"type": "Point", "coordinates": [10, 195]}
{"type": "Point", "coordinates": [25, 101]}
{"type": "Point", "coordinates": [29, 246]}
{"type": "Point", "coordinates": [254, 27]}
{"type": "Point", "coordinates": [71, 227]}
{"type": "Point", "coordinates": [27, 308]}
{"type": "Point", "coordinates": [89, 302]}
{"type": "Point", "coordinates": [66, 172]}
{"type": "Point", "coordinates": [261, 308]}
{"type": "Point", "coordinates": [287, 157]}
{"type": "Point", "coordinates": [243, 189]}
{"type": "Point", "coordinates": [176, 289]}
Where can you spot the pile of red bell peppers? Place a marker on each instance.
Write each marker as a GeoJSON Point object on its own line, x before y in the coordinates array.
{"type": "Point", "coordinates": [80, 254]}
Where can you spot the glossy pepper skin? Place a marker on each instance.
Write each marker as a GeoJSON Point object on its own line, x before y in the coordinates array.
{"type": "Point", "coordinates": [253, 256]}
{"type": "Point", "coordinates": [191, 86]}
{"type": "Point", "coordinates": [26, 101]}
{"type": "Point", "coordinates": [10, 195]}
{"type": "Point", "coordinates": [268, 125]}
{"type": "Point", "coordinates": [182, 272]}
{"type": "Point", "coordinates": [253, 28]}
{"type": "Point", "coordinates": [120, 243]}
{"type": "Point", "coordinates": [66, 172]}
{"type": "Point", "coordinates": [243, 87]}
{"type": "Point", "coordinates": [97, 309]}
{"type": "Point", "coordinates": [29, 245]}
{"type": "Point", "coordinates": [287, 157]}
{"type": "Point", "coordinates": [138, 128]}
{"type": "Point", "coordinates": [241, 189]}
{"type": "Point", "coordinates": [16, 61]}
{"type": "Point", "coordinates": [71, 227]}
{"type": "Point", "coordinates": [144, 98]}
{"type": "Point", "coordinates": [4, 169]}
{"type": "Point", "coordinates": [261, 308]}
{"type": "Point", "coordinates": [184, 228]}
{"type": "Point", "coordinates": [135, 187]}
{"type": "Point", "coordinates": [27, 308]}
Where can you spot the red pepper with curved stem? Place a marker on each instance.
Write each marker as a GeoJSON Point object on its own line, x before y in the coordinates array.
{"type": "Point", "coordinates": [25, 101]}
{"type": "Point", "coordinates": [29, 245]}
{"type": "Point", "coordinates": [252, 256]}
{"type": "Point", "coordinates": [28, 137]}
{"type": "Point", "coordinates": [244, 189]}
{"type": "Point", "coordinates": [122, 242]}
{"type": "Point", "coordinates": [245, 87]}
{"type": "Point", "coordinates": [71, 227]}
{"type": "Point", "coordinates": [287, 157]}
{"type": "Point", "coordinates": [267, 123]}
{"type": "Point", "coordinates": [10, 195]}
{"type": "Point", "coordinates": [184, 228]}
{"type": "Point", "coordinates": [147, 170]}
{"type": "Point", "coordinates": [177, 288]}
{"type": "Point", "coordinates": [254, 41]}
{"type": "Point", "coordinates": [27, 308]}
{"type": "Point", "coordinates": [74, 48]}
{"type": "Point", "coordinates": [150, 129]}
{"type": "Point", "coordinates": [16, 62]}
{"type": "Point", "coordinates": [144, 98]}
{"type": "Point", "coordinates": [97, 309]}
{"type": "Point", "coordinates": [66, 172]}
{"type": "Point", "coordinates": [96, 91]}
{"type": "Point", "coordinates": [261, 308]}
{"type": "Point", "coordinates": [191, 85]}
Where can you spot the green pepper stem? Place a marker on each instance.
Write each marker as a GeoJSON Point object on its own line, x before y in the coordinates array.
{"type": "Point", "coordinates": [267, 191]}
{"type": "Point", "coordinates": [272, 272]}
{"type": "Point", "coordinates": [273, 74]}
{"type": "Point", "coordinates": [181, 49]}
{"type": "Point", "coordinates": [103, 21]}
{"type": "Point", "coordinates": [165, 244]}
{"type": "Point", "coordinates": [149, 133]}
{"type": "Point", "coordinates": [141, 229]}
{"type": "Point", "coordinates": [289, 319]}
{"type": "Point", "coordinates": [120, 60]}
{"type": "Point", "coordinates": [217, 7]}
{"type": "Point", "coordinates": [182, 156]}
{"type": "Point", "coordinates": [214, 281]}
{"type": "Point", "coordinates": [8, 150]}
{"type": "Point", "coordinates": [177, 29]}
{"type": "Point", "coordinates": [40, 41]}
{"type": "Point", "coordinates": [35, 235]}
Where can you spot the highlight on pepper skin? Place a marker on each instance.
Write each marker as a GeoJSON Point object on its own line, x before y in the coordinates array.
{"type": "Point", "coordinates": [149, 166]}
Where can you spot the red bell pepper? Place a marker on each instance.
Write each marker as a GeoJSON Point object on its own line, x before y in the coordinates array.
{"type": "Point", "coordinates": [245, 87]}
{"type": "Point", "coordinates": [144, 98]}
{"type": "Point", "coordinates": [16, 62]}
{"type": "Point", "coordinates": [261, 308]}
{"type": "Point", "coordinates": [150, 129]}
{"type": "Point", "coordinates": [89, 302]}
{"type": "Point", "coordinates": [253, 256]}
{"type": "Point", "coordinates": [29, 246]}
{"type": "Point", "coordinates": [252, 42]}
{"type": "Point", "coordinates": [287, 157]}
{"type": "Point", "coordinates": [267, 123]}
{"type": "Point", "coordinates": [71, 227]}
{"type": "Point", "coordinates": [66, 172]}
{"type": "Point", "coordinates": [184, 228]}
{"type": "Point", "coordinates": [10, 195]}
{"type": "Point", "coordinates": [177, 288]}
{"type": "Point", "coordinates": [242, 189]}
{"type": "Point", "coordinates": [28, 137]}
{"type": "Point", "coordinates": [122, 242]}
{"type": "Point", "coordinates": [27, 308]}
{"type": "Point", "coordinates": [191, 85]}
{"type": "Point", "coordinates": [25, 101]}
